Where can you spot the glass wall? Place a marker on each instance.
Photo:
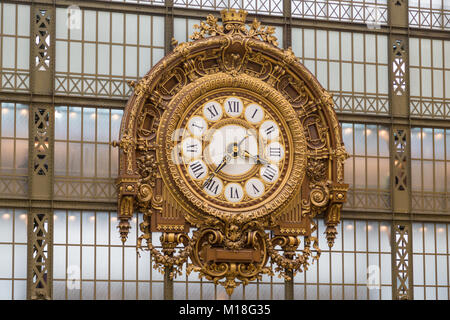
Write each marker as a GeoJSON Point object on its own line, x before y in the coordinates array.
{"type": "Point", "coordinates": [431, 259]}
{"type": "Point", "coordinates": [367, 171]}
{"type": "Point", "coordinates": [13, 252]}
{"type": "Point", "coordinates": [13, 149]}
{"type": "Point", "coordinates": [98, 56]}
{"type": "Point", "coordinates": [429, 61]}
{"type": "Point", "coordinates": [357, 267]}
{"type": "Point", "coordinates": [430, 162]}
{"type": "Point", "coordinates": [265, 7]}
{"type": "Point", "coordinates": [90, 261]}
{"type": "Point", "coordinates": [372, 12]}
{"type": "Point", "coordinates": [86, 164]}
{"type": "Point", "coordinates": [433, 14]}
{"type": "Point", "coordinates": [14, 47]}
{"type": "Point", "coordinates": [352, 66]}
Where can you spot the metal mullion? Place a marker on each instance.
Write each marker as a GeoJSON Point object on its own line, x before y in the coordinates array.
{"type": "Point", "coordinates": [2, 36]}
{"type": "Point", "coordinates": [421, 168]}
{"type": "Point", "coordinates": [315, 64]}
{"type": "Point", "coordinates": [138, 46]}
{"type": "Point", "coordinates": [96, 52]}
{"type": "Point", "coordinates": [435, 260]}
{"type": "Point", "coordinates": [393, 283]}
{"type": "Point", "coordinates": [366, 189]}
{"type": "Point", "coordinates": [15, 47]}
{"type": "Point", "coordinates": [137, 258]}
{"type": "Point", "coordinates": [67, 147]}
{"type": "Point", "coordinates": [424, 264]}
{"type": "Point", "coordinates": [124, 55]}
{"type": "Point", "coordinates": [378, 162]}
{"type": "Point", "coordinates": [109, 255]}
{"type": "Point", "coordinates": [353, 160]}
{"type": "Point", "coordinates": [354, 256]}
{"type": "Point", "coordinates": [95, 256]}
{"type": "Point", "coordinates": [67, 249]}
{"type": "Point", "coordinates": [445, 166]}
{"type": "Point", "coordinates": [367, 253]}
{"type": "Point", "coordinates": [123, 272]}
{"type": "Point", "coordinates": [13, 252]}
{"type": "Point", "coordinates": [343, 261]}
{"type": "Point", "coordinates": [14, 140]}
{"type": "Point", "coordinates": [81, 255]}
{"type": "Point", "coordinates": [1, 66]}
{"type": "Point", "coordinates": [110, 58]}
{"type": "Point", "coordinates": [447, 260]}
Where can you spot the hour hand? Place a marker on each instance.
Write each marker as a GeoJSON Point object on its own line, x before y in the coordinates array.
{"type": "Point", "coordinates": [222, 164]}
{"type": "Point", "coordinates": [256, 158]}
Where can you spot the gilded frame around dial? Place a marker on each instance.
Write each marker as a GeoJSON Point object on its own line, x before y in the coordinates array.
{"type": "Point", "coordinates": [193, 94]}
{"type": "Point", "coordinates": [270, 114]}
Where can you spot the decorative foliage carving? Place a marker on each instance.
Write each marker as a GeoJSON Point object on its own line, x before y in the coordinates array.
{"type": "Point", "coordinates": [234, 23]}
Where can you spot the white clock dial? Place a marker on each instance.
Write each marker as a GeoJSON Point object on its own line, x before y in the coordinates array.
{"type": "Point", "coordinates": [254, 113]}
{"type": "Point", "coordinates": [269, 173]}
{"type": "Point", "coordinates": [269, 130]}
{"type": "Point", "coordinates": [214, 187]}
{"type": "Point", "coordinates": [274, 151]}
{"type": "Point", "coordinates": [197, 126]}
{"type": "Point", "coordinates": [223, 139]}
{"type": "Point", "coordinates": [191, 148]}
{"type": "Point", "coordinates": [254, 188]}
{"type": "Point", "coordinates": [233, 192]}
{"type": "Point", "coordinates": [233, 106]}
{"type": "Point", "coordinates": [212, 111]}
{"type": "Point", "coordinates": [197, 169]}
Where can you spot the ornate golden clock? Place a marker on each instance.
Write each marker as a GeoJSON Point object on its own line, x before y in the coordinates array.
{"type": "Point", "coordinates": [232, 137]}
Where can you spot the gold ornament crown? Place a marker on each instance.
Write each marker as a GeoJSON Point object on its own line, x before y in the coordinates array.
{"type": "Point", "coordinates": [233, 16]}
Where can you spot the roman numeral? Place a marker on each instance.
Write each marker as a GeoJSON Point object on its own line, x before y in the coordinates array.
{"type": "Point", "coordinates": [255, 189]}
{"type": "Point", "coordinates": [253, 115]}
{"type": "Point", "coordinates": [192, 148]}
{"type": "Point", "coordinates": [269, 173]}
{"type": "Point", "coordinates": [213, 111]}
{"type": "Point", "coordinates": [270, 129]}
{"type": "Point", "coordinates": [197, 169]}
{"type": "Point", "coordinates": [212, 186]}
{"type": "Point", "coordinates": [234, 106]}
{"type": "Point", "coordinates": [275, 151]}
{"type": "Point", "coordinates": [234, 193]}
{"type": "Point", "coordinates": [197, 126]}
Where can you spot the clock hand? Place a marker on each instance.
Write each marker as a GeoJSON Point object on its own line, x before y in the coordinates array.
{"type": "Point", "coordinates": [239, 144]}
{"type": "Point", "coordinates": [232, 147]}
{"type": "Point", "coordinates": [225, 160]}
{"type": "Point", "coordinates": [257, 158]}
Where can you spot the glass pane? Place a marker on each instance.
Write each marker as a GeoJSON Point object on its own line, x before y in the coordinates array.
{"type": "Point", "coordinates": [75, 123]}
{"type": "Point", "coordinates": [88, 160]}
{"type": "Point", "coordinates": [74, 159]}
{"type": "Point", "coordinates": [89, 124]}
{"type": "Point", "coordinates": [20, 226]}
{"type": "Point", "coordinates": [103, 125]}
{"type": "Point", "coordinates": [7, 119]}
{"type": "Point", "coordinates": [21, 156]}
{"type": "Point", "coordinates": [6, 223]}
{"type": "Point", "coordinates": [21, 121]}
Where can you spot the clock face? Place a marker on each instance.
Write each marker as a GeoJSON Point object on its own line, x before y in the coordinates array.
{"type": "Point", "coordinates": [232, 150]}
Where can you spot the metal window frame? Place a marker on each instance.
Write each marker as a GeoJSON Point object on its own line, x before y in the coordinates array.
{"type": "Point", "coordinates": [42, 95]}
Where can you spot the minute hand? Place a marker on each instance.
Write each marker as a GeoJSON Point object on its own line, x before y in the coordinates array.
{"type": "Point", "coordinates": [257, 158]}
{"type": "Point", "coordinates": [219, 167]}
